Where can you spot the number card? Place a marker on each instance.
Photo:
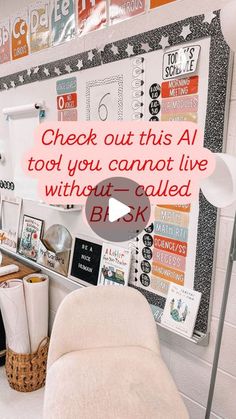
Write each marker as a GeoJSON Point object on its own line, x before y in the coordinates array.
{"type": "Point", "coordinates": [104, 99]}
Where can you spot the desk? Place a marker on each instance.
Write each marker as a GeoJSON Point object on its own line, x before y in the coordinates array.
{"type": "Point", "coordinates": [24, 270]}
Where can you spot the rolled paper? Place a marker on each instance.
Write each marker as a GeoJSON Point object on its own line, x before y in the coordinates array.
{"type": "Point", "coordinates": [8, 269]}
{"type": "Point", "coordinates": [36, 287]}
{"type": "Point", "coordinates": [12, 305]}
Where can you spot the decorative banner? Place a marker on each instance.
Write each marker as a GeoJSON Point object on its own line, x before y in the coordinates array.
{"type": "Point", "coordinates": [19, 35]}
{"type": "Point", "coordinates": [124, 9]}
{"type": "Point", "coordinates": [180, 61]}
{"type": "Point", "coordinates": [39, 26]}
{"type": "Point", "coordinates": [5, 49]}
{"type": "Point", "coordinates": [157, 3]}
{"type": "Point", "coordinates": [180, 87]}
{"type": "Point", "coordinates": [92, 15]}
{"type": "Point", "coordinates": [63, 21]}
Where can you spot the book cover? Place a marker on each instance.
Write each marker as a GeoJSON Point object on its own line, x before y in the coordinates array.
{"type": "Point", "coordinates": [30, 237]}
{"type": "Point", "coordinates": [114, 266]}
{"type": "Point", "coordinates": [181, 309]}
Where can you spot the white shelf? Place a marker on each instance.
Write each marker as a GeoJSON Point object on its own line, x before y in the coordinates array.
{"type": "Point", "coordinates": [76, 208]}
{"type": "Point", "coordinates": [198, 338]}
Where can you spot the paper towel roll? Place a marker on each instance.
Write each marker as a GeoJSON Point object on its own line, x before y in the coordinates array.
{"type": "Point", "coordinates": [12, 304]}
{"type": "Point", "coordinates": [36, 300]}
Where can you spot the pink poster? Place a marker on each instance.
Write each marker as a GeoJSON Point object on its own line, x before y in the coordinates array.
{"type": "Point", "coordinates": [5, 48]}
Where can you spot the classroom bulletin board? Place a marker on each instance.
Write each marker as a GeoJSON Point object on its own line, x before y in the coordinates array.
{"type": "Point", "coordinates": [141, 78]}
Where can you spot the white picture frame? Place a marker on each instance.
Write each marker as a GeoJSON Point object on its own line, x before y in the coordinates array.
{"type": "Point", "coordinates": [10, 211]}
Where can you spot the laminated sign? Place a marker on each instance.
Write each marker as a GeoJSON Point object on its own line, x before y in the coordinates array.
{"type": "Point", "coordinates": [5, 54]}
{"type": "Point", "coordinates": [39, 26]}
{"type": "Point", "coordinates": [63, 21]}
{"type": "Point", "coordinates": [19, 31]}
{"type": "Point", "coordinates": [180, 62]}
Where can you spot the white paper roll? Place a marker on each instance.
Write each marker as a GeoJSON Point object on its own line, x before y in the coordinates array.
{"type": "Point", "coordinates": [36, 299]}
{"type": "Point", "coordinates": [12, 304]}
{"type": "Point", "coordinates": [8, 269]}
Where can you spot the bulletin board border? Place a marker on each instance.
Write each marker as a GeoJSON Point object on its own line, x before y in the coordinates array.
{"type": "Point", "coordinates": [186, 30]}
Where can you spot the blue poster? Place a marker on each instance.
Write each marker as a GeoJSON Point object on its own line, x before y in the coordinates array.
{"type": "Point", "coordinates": [63, 21]}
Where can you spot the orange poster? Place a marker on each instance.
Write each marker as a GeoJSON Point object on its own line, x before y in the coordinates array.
{"type": "Point", "coordinates": [156, 3]}
{"type": "Point", "coordinates": [19, 35]}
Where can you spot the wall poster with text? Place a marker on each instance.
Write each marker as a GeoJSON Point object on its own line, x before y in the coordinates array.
{"type": "Point", "coordinates": [62, 21]}
{"type": "Point", "coordinates": [19, 34]}
{"type": "Point", "coordinates": [39, 25]}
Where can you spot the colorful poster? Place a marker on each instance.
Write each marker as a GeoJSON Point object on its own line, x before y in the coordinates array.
{"type": "Point", "coordinates": [62, 21]}
{"type": "Point", "coordinates": [39, 26]}
{"type": "Point", "coordinates": [124, 9]}
{"type": "Point", "coordinates": [5, 49]}
{"type": "Point", "coordinates": [92, 15]}
{"type": "Point", "coordinates": [19, 35]}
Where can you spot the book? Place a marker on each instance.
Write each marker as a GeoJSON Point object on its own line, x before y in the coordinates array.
{"type": "Point", "coordinates": [30, 237]}
{"type": "Point", "coordinates": [181, 309]}
{"type": "Point", "coordinates": [114, 265]}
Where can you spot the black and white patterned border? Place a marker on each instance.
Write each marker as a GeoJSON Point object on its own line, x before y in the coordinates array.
{"type": "Point", "coordinates": [190, 29]}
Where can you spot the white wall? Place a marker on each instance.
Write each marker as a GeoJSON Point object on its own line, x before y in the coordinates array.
{"type": "Point", "coordinates": [190, 365]}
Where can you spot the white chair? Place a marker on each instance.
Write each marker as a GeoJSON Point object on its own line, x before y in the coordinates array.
{"type": "Point", "coordinates": [104, 360]}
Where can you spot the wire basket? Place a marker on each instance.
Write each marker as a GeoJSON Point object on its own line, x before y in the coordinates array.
{"type": "Point", "coordinates": [27, 372]}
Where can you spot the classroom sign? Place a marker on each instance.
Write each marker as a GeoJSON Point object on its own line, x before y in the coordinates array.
{"type": "Point", "coordinates": [39, 26]}
{"type": "Point", "coordinates": [179, 87]}
{"type": "Point", "coordinates": [63, 21]}
{"type": "Point", "coordinates": [92, 15]}
{"type": "Point", "coordinates": [5, 49]}
{"type": "Point", "coordinates": [19, 34]}
{"type": "Point", "coordinates": [180, 62]}
{"type": "Point", "coordinates": [86, 260]}
{"type": "Point", "coordinates": [121, 10]}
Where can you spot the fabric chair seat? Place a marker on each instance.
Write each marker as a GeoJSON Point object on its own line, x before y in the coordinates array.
{"type": "Point", "coordinates": [129, 382]}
